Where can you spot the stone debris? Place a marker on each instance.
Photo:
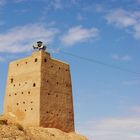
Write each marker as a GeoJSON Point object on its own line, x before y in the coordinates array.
{"type": "Point", "coordinates": [15, 131]}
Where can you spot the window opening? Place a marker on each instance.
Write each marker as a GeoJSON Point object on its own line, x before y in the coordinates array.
{"type": "Point", "coordinates": [12, 80]}
{"type": "Point", "coordinates": [45, 60]}
{"type": "Point", "coordinates": [35, 59]}
{"type": "Point", "coordinates": [34, 84]}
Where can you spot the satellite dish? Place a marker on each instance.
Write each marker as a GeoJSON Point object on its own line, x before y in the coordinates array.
{"type": "Point", "coordinates": [39, 46]}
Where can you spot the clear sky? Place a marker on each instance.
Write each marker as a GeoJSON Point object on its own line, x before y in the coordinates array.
{"type": "Point", "coordinates": [106, 100]}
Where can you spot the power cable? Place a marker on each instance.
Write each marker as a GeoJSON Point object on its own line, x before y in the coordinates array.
{"type": "Point", "coordinates": [98, 62]}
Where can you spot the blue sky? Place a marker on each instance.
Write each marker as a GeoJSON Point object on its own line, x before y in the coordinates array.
{"type": "Point", "coordinates": [106, 100]}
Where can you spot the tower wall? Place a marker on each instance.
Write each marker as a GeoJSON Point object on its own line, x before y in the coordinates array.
{"type": "Point", "coordinates": [22, 96]}
{"type": "Point", "coordinates": [56, 107]}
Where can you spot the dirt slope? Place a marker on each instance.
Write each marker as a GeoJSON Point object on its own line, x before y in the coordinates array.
{"type": "Point", "coordinates": [17, 132]}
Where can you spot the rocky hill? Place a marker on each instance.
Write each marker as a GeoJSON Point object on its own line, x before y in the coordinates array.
{"type": "Point", "coordinates": [15, 131]}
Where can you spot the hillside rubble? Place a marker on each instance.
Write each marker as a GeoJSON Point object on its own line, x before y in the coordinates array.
{"type": "Point", "coordinates": [15, 131]}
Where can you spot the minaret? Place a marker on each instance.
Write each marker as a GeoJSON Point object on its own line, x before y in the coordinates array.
{"type": "Point", "coordinates": [39, 92]}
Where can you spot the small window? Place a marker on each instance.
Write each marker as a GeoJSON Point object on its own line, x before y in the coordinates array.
{"type": "Point", "coordinates": [47, 112]}
{"type": "Point", "coordinates": [28, 92]}
{"type": "Point", "coordinates": [9, 94]}
{"type": "Point", "coordinates": [66, 85]}
{"type": "Point", "coordinates": [57, 83]}
{"type": "Point", "coordinates": [21, 92]}
{"type": "Point", "coordinates": [25, 110]}
{"type": "Point", "coordinates": [17, 103]}
{"type": "Point", "coordinates": [19, 84]}
{"type": "Point", "coordinates": [51, 66]}
{"type": "Point", "coordinates": [57, 114]}
{"type": "Point", "coordinates": [47, 81]}
{"type": "Point", "coordinates": [12, 80]}
{"type": "Point", "coordinates": [48, 93]}
{"type": "Point", "coordinates": [26, 62]}
{"type": "Point", "coordinates": [59, 68]}
{"type": "Point", "coordinates": [23, 102]}
{"type": "Point", "coordinates": [14, 85]}
{"type": "Point", "coordinates": [34, 84]}
{"type": "Point", "coordinates": [45, 60]}
{"type": "Point", "coordinates": [17, 65]}
{"type": "Point", "coordinates": [15, 94]}
{"type": "Point", "coordinates": [31, 108]}
{"type": "Point", "coordinates": [56, 95]}
{"type": "Point", "coordinates": [31, 102]}
{"type": "Point", "coordinates": [35, 59]}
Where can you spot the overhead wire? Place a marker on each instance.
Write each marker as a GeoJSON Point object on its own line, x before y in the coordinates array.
{"type": "Point", "coordinates": [99, 62]}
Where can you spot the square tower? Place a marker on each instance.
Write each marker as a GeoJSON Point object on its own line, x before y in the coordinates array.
{"type": "Point", "coordinates": [39, 92]}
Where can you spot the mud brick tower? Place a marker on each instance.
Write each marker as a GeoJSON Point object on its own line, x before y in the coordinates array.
{"type": "Point", "coordinates": [39, 92]}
